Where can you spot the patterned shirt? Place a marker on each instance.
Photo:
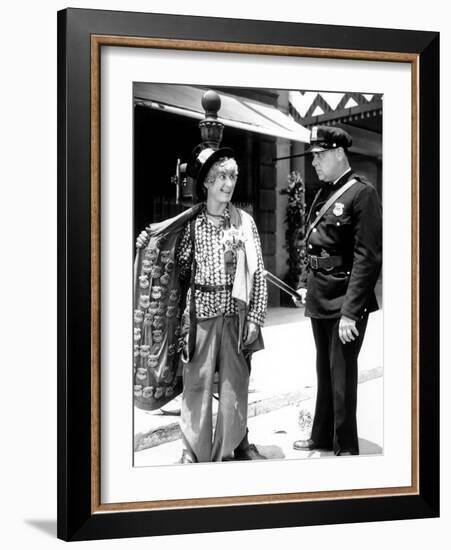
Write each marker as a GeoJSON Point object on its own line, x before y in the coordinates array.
{"type": "Point", "coordinates": [211, 270]}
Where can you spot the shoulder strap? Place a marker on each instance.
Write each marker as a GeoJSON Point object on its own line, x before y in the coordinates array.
{"type": "Point", "coordinates": [328, 204]}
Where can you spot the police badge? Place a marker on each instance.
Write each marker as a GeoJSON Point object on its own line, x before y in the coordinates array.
{"type": "Point", "coordinates": [338, 208]}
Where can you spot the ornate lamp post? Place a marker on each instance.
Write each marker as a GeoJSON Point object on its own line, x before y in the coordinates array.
{"type": "Point", "coordinates": [210, 128]}
{"type": "Point", "coordinates": [211, 134]}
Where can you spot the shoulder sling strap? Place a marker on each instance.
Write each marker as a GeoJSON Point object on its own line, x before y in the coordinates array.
{"type": "Point", "coordinates": [327, 205]}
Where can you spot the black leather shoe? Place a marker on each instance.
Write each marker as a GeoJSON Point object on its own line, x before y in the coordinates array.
{"type": "Point", "coordinates": [187, 458]}
{"type": "Point", "coordinates": [228, 458]}
{"type": "Point", "coordinates": [248, 453]}
{"type": "Point", "coordinates": [309, 445]}
{"type": "Point", "coordinates": [346, 453]}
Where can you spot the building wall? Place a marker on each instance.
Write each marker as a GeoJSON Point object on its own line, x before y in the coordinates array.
{"type": "Point", "coordinates": [265, 199]}
{"type": "Point", "coordinates": [283, 171]}
{"type": "Point", "coordinates": [369, 167]}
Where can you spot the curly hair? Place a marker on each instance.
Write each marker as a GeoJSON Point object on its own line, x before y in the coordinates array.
{"type": "Point", "coordinates": [224, 164]}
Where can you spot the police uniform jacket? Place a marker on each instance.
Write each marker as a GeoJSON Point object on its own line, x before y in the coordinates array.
{"type": "Point", "coordinates": [351, 232]}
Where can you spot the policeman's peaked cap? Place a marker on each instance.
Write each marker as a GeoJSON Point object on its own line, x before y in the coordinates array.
{"type": "Point", "coordinates": [323, 138]}
{"type": "Point", "coordinates": [202, 159]}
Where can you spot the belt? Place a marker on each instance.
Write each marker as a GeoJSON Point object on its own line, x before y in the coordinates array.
{"type": "Point", "coordinates": [212, 288]}
{"type": "Point", "coordinates": [327, 262]}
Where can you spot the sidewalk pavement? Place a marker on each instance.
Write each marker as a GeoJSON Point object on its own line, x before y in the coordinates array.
{"type": "Point", "coordinates": [274, 432]}
{"type": "Point", "coordinates": [281, 395]}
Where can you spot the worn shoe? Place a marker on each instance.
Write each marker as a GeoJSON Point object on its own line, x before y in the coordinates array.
{"type": "Point", "coordinates": [309, 445]}
{"type": "Point", "coordinates": [346, 453]}
{"type": "Point", "coordinates": [187, 458]}
{"type": "Point", "coordinates": [248, 453]}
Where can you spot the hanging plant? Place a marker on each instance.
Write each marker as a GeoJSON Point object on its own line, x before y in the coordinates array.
{"type": "Point", "coordinates": [295, 227]}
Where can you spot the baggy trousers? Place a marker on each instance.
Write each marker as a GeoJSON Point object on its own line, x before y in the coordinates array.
{"type": "Point", "coordinates": [216, 350]}
{"type": "Point", "coordinates": [335, 421]}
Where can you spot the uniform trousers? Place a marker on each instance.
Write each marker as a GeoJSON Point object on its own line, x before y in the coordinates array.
{"type": "Point", "coordinates": [335, 422]}
{"type": "Point", "coordinates": [216, 350]}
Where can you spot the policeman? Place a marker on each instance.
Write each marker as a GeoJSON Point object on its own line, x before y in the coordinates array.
{"type": "Point", "coordinates": [344, 255]}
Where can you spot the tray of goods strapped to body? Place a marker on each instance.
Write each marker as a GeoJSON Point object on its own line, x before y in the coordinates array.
{"type": "Point", "coordinates": [158, 341]}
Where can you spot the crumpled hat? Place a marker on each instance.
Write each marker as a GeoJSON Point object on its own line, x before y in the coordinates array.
{"type": "Point", "coordinates": [202, 159]}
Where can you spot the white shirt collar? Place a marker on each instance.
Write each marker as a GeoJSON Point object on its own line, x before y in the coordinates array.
{"type": "Point", "coordinates": [339, 178]}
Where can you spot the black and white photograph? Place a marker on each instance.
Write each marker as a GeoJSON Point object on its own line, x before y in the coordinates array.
{"type": "Point", "coordinates": [229, 223]}
{"type": "Point", "coordinates": [258, 289]}
{"type": "Point", "coordinates": [245, 330]}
